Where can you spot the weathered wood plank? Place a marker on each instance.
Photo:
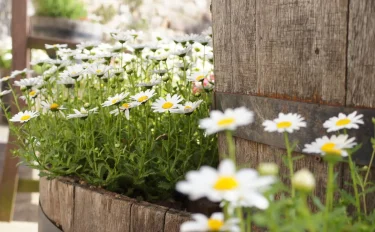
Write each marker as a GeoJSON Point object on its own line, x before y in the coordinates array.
{"type": "Point", "coordinates": [301, 49]}
{"type": "Point", "coordinates": [95, 211]}
{"type": "Point", "coordinates": [243, 31]}
{"type": "Point", "coordinates": [314, 114]}
{"type": "Point", "coordinates": [361, 54]}
{"type": "Point", "coordinates": [174, 219]}
{"type": "Point", "coordinates": [147, 217]}
{"type": "Point", "coordinates": [246, 153]}
{"type": "Point", "coordinates": [57, 202]}
{"type": "Point", "coordinates": [221, 13]}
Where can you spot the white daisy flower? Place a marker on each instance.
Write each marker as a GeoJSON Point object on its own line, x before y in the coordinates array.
{"type": "Point", "coordinates": [98, 69]}
{"type": "Point", "coordinates": [153, 82]}
{"type": "Point", "coordinates": [33, 93]}
{"type": "Point", "coordinates": [202, 39]}
{"type": "Point", "coordinates": [29, 82]}
{"type": "Point", "coordinates": [83, 57]}
{"type": "Point", "coordinates": [143, 96]}
{"type": "Point", "coordinates": [24, 116]}
{"type": "Point", "coordinates": [162, 105]}
{"type": "Point", "coordinates": [55, 46]}
{"type": "Point", "coordinates": [23, 72]}
{"type": "Point", "coordinates": [240, 188]}
{"type": "Point", "coordinates": [229, 120]}
{"type": "Point", "coordinates": [40, 62]}
{"type": "Point", "coordinates": [115, 100]}
{"type": "Point", "coordinates": [208, 32]}
{"type": "Point", "coordinates": [181, 52]}
{"type": "Point", "coordinates": [52, 106]}
{"type": "Point", "coordinates": [49, 72]}
{"type": "Point", "coordinates": [121, 37]}
{"type": "Point", "coordinates": [215, 223]}
{"type": "Point", "coordinates": [66, 80]}
{"type": "Point", "coordinates": [87, 45]}
{"type": "Point", "coordinates": [336, 145]}
{"type": "Point", "coordinates": [125, 107]}
{"type": "Point", "coordinates": [135, 34]}
{"type": "Point", "coordinates": [303, 180]}
{"type": "Point", "coordinates": [5, 92]}
{"type": "Point", "coordinates": [187, 108]}
{"type": "Point", "coordinates": [6, 78]}
{"type": "Point", "coordinates": [73, 71]}
{"type": "Point", "coordinates": [82, 113]}
{"type": "Point", "coordinates": [285, 123]}
{"type": "Point", "coordinates": [138, 47]}
{"type": "Point", "coordinates": [197, 77]}
{"type": "Point", "coordinates": [343, 121]}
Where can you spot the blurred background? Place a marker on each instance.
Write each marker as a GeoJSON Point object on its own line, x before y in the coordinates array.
{"type": "Point", "coordinates": [90, 20]}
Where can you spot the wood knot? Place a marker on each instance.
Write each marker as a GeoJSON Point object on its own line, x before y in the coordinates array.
{"type": "Point", "coordinates": [318, 159]}
{"type": "Point", "coordinates": [317, 51]}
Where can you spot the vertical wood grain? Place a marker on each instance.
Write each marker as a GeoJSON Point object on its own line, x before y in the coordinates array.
{"type": "Point", "coordinates": [57, 202]}
{"type": "Point", "coordinates": [301, 49]}
{"type": "Point", "coordinates": [221, 14]}
{"type": "Point", "coordinates": [174, 219]}
{"type": "Point", "coordinates": [147, 217]}
{"type": "Point", "coordinates": [243, 31]}
{"type": "Point", "coordinates": [94, 211]}
{"type": "Point", "coordinates": [361, 54]}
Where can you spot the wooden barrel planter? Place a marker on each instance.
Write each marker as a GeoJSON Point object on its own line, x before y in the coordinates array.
{"type": "Point", "coordinates": [316, 58]}
{"type": "Point", "coordinates": [65, 29]}
{"type": "Point", "coordinates": [72, 207]}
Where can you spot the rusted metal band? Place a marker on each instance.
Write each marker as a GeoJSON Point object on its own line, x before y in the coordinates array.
{"type": "Point", "coordinates": [44, 223]}
{"type": "Point", "coordinates": [315, 115]}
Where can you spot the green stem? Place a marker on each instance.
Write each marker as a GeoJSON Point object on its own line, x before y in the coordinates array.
{"type": "Point", "coordinates": [248, 220]}
{"type": "Point", "coordinates": [231, 146]}
{"type": "Point", "coordinates": [240, 217]}
{"type": "Point", "coordinates": [354, 179]}
{"type": "Point", "coordinates": [306, 213]}
{"type": "Point", "coordinates": [290, 160]}
{"type": "Point", "coordinates": [329, 193]}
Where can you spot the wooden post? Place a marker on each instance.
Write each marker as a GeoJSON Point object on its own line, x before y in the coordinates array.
{"type": "Point", "coordinates": [319, 52]}
{"type": "Point", "coordinates": [9, 182]}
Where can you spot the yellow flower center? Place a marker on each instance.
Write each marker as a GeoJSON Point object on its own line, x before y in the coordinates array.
{"type": "Point", "coordinates": [74, 73]}
{"type": "Point", "coordinates": [343, 122]}
{"type": "Point", "coordinates": [188, 108]}
{"type": "Point", "coordinates": [6, 78]}
{"type": "Point", "coordinates": [215, 224]}
{"type": "Point", "coordinates": [98, 71]}
{"type": "Point", "coordinates": [54, 106]}
{"type": "Point", "coordinates": [198, 78]}
{"type": "Point", "coordinates": [32, 93]}
{"type": "Point", "coordinates": [115, 100]}
{"type": "Point", "coordinates": [25, 117]}
{"type": "Point", "coordinates": [142, 99]}
{"type": "Point", "coordinates": [225, 122]}
{"type": "Point", "coordinates": [226, 183]}
{"type": "Point", "coordinates": [330, 148]}
{"type": "Point", "coordinates": [282, 125]}
{"type": "Point", "coordinates": [167, 105]}
{"type": "Point", "coordinates": [126, 105]}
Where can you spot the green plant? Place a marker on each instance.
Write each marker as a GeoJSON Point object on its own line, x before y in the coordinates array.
{"type": "Point", "coordinates": [106, 12]}
{"type": "Point", "coordinates": [119, 121]}
{"type": "Point", "coordinates": [261, 199]}
{"type": "Point", "coordinates": [71, 9]}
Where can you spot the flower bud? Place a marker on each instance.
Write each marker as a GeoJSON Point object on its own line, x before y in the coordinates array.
{"type": "Point", "coordinates": [266, 169]}
{"type": "Point", "coordinates": [86, 105]}
{"type": "Point", "coordinates": [303, 180]}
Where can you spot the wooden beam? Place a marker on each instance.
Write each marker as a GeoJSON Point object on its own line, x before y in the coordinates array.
{"type": "Point", "coordinates": [314, 114]}
{"type": "Point", "coordinates": [9, 182]}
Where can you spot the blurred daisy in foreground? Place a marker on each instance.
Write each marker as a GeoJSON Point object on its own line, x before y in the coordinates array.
{"type": "Point", "coordinates": [143, 96]}
{"type": "Point", "coordinates": [23, 72]}
{"type": "Point", "coordinates": [336, 145]}
{"type": "Point", "coordinates": [125, 107]}
{"type": "Point", "coordinates": [285, 123]}
{"type": "Point", "coordinates": [229, 120]}
{"type": "Point", "coordinates": [199, 76]}
{"type": "Point", "coordinates": [55, 46]}
{"type": "Point", "coordinates": [187, 108]}
{"type": "Point", "coordinates": [169, 103]}
{"type": "Point", "coordinates": [82, 113]}
{"type": "Point", "coordinates": [54, 107]}
{"type": "Point", "coordinates": [115, 100]}
{"type": "Point", "coordinates": [153, 82]}
{"type": "Point", "coordinates": [24, 116]}
{"type": "Point", "coordinates": [343, 121]}
{"type": "Point", "coordinates": [216, 222]}
{"type": "Point", "coordinates": [239, 188]}
{"type": "Point", "coordinates": [5, 92]}
{"type": "Point", "coordinates": [29, 82]}
{"type": "Point", "coordinates": [6, 78]}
